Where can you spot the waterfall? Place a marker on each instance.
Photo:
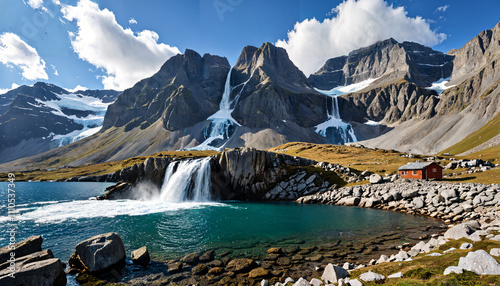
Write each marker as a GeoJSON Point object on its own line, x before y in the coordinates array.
{"type": "Point", "coordinates": [334, 129]}
{"type": "Point", "coordinates": [187, 180]}
{"type": "Point", "coordinates": [223, 124]}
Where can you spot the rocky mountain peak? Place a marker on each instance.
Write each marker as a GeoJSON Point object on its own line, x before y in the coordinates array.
{"type": "Point", "coordinates": [186, 84]}
{"type": "Point", "coordinates": [271, 63]}
{"type": "Point", "coordinates": [388, 59]}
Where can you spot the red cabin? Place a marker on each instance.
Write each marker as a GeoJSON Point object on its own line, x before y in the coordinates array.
{"type": "Point", "coordinates": [425, 171]}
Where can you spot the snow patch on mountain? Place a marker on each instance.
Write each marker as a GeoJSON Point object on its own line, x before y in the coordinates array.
{"type": "Point", "coordinates": [341, 90]}
{"type": "Point", "coordinates": [67, 103]}
{"type": "Point", "coordinates": [440, 85]}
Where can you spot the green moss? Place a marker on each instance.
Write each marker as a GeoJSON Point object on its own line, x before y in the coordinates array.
{"type": "Point", "coordinates": [419, 273]}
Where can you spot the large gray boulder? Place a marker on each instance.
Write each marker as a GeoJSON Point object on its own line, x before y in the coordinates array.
{"type": "Point", "coordinates": [48, 272]}
{"type": "Point", "coordinates": [101, 252]}
{"type": "Point", "coordinates": [480, 262]}
{"type": "Point", "coordinates": [371, 276]}
{"type": "Point", "coordinates": [30, 245]}
{"type": "Point", "coordinates": [376, 179]}
{"type": "Point", "coordinates": [458, 231]}
{"type": "Point", "coordinates": [333, 273]}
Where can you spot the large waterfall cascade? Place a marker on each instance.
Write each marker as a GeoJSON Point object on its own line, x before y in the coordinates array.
{"type": "Point", "coordinates": [222, 121]}
{"type": "Point", "coordinates": [187, 181]}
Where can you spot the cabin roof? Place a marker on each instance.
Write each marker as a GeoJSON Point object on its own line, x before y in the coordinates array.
{"type": "Point", "coordinates": [416, 166]}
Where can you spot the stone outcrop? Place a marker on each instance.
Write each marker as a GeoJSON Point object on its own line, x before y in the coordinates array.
{"type": "Point", "coordinates": [30, 265]}
{"type": "Point", "coordinates": [453, 202]}
{"type": "Point", "coordinates": [100, 253]}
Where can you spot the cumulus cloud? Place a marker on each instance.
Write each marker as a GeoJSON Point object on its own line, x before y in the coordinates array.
{"type": "Point", "coordinates": [356, 24]}
{"type": "Point", "coordinates": [132, 21]}
{"type": "Point", "coordinates": [5, 90]}
{"type": "Point", "coordinates": [442, 8]}
{"type": "Point", "coordinates": [35, 4]}
{"type": "Point", "coordinates": [125, 56]}
{"type": "Point", "coordinates": [15, 52]}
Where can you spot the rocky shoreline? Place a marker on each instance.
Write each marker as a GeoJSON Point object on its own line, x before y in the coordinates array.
{"type": "Point", "coordinates": [446, 201]}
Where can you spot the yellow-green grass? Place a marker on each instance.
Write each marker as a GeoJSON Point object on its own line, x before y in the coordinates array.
{"type": "Point", "coordinates": [97, 169]}
{"type": "Point", "coordinates": [483, 134]}
{"type": "Point", "coordinates": [377, 161]}
{"type": "Point", "coordinates": [428, 270]}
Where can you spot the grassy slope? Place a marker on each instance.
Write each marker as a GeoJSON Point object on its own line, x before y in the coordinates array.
{"type": "Point", "coordinates": [98, 169]}
{"type": "Point", "coordinates": [483, 134]}
{"type": "Point", "coordinates": [427, 270]}
{"type": "Point", "coordinates": [378, 161]}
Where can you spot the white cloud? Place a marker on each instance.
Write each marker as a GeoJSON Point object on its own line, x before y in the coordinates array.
{"type": "Point", "coordinates": [356, 24]}
{"type": "Point", "coordinates": [55, 70]}
{"type": "Point", "coordinates": [132, 21]}
{"type": "Point", "coordinates": [5, 90]}
{"type": "Point", "coordinates": [14, 51]}
{"type": "Point", "coordinates": [442, 8]}
{"type": "Point", "coordinates": [35, 4]}
{"type": "Point", "coordinates": [77, 88]}
{"type": "Point", "coordinates": [126, 57]}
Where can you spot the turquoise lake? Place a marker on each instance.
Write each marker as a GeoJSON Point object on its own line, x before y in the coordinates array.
{"type": "Point", "coordinates": [64, 215]}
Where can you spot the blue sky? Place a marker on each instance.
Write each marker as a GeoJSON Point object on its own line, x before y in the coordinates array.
{"type": "Point", "coordinates": [109, 43]}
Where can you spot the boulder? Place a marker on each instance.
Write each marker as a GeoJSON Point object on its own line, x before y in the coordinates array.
{"type": "Point", "coordinates": [371, 276]}
{"type": "Point", "coordinates": [216, 271]}
{"type": "Point", "coordinates": [480, 262]}
{"type": "Point", "coordinates": [200, 269]}
{"type": "Point", "coordinates": [207, 256]}
{"type": "Point", "coordinates": [37, 256]}
{"type": "Point", "coordinates": [495, 252]}
{"type": "Point", "coordinates": [453, 269]}
{"type": "Point", "coordinates": [395, 275]}
{"type": "Point", "coordinates": [174, 267]}
{"type": "Point", "coordinates": [258, 273]}
{"type": "Point", "coordinates": [30, 245]}
{"type": "Point", "coordinates": [449, 194]}
{"type": "Point", "coordinates": [466, 245]}
{"type": "Point", "coordinates": [315, 282]}
{"type": "Point", "coordinates": [141, 256]}
{"type": "Point", "coordinates": [191, 259]}
{"type": "Point", "coordinates": [333, 273]}
{"type": "Point", "coordinates": [101, 252]}
{"type": "Point", "coordinates": [458, 231]}
{"type": "Point", "coordinates": [48, 272]}
{"type": "Point", "coordinates": [240, 265]}
{"type": "Point", "coordinates": [376, 179]}
{"type": "Point", "coordinates": [302, 282]}
{"type": "Point", "coordinates": [355, 282]}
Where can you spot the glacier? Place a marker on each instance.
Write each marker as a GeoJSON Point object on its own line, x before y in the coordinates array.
{"type": "Point", "coordinates": [440, 85]}
{"type": "Point", "coordinates": [92, 123]}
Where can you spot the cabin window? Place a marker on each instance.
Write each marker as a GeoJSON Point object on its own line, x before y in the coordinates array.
{"type": "Point", "coordinates": [403, 173]}
{"type": "Point", "coordinates": [415, 172]}
{"type": "Point", "coordinates": [434, 170]}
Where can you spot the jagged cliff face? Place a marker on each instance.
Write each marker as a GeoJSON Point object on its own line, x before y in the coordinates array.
{"type": "Point", "coordinates": [390, 104]}
{"type": "Point", "coordinates": [478, 52]}
{"type": "Point", "coordinates": [271, 90]}
{"type": "Point", "coordinates": [185, 91]}
{"type": "Point", "coordinates": [389, 59]}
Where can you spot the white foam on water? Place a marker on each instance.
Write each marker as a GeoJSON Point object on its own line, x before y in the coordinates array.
{"type": "Point", "coordinates": [86, 209]}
